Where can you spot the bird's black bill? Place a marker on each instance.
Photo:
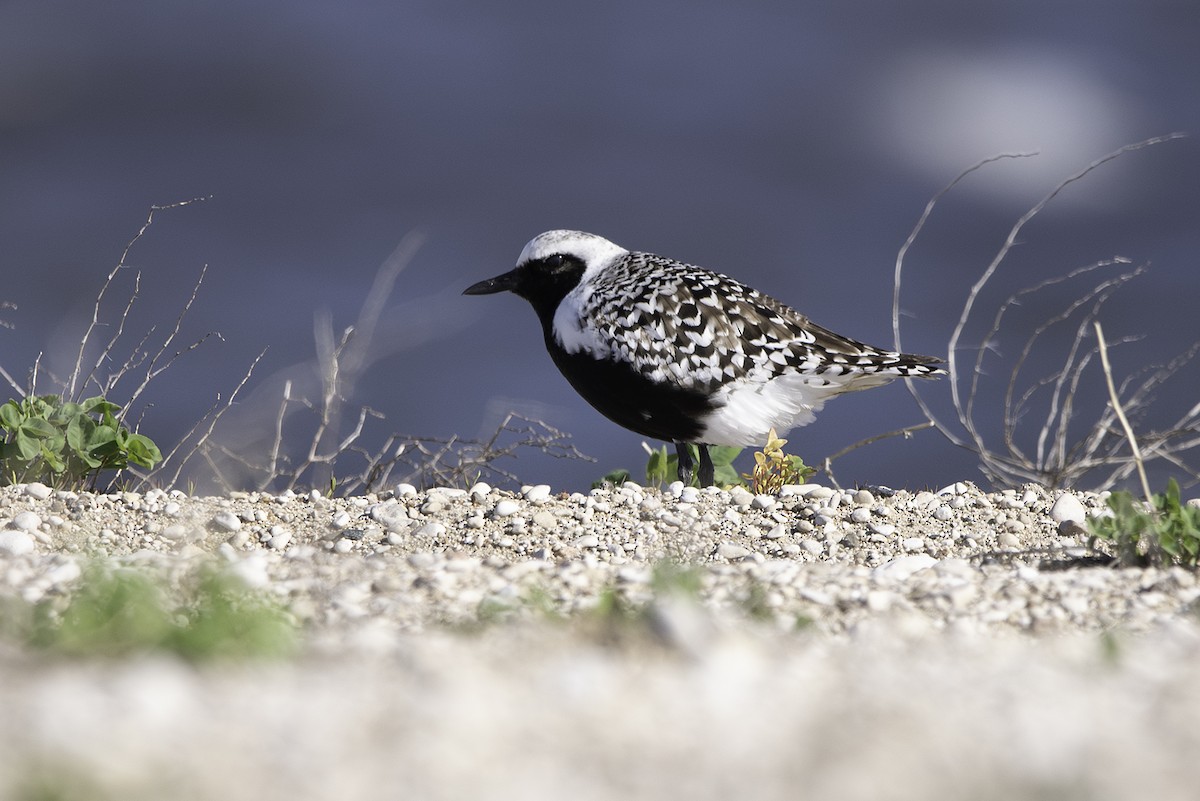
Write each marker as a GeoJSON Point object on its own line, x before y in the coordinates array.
{"type": "Point", "coordinates": [501, 283]}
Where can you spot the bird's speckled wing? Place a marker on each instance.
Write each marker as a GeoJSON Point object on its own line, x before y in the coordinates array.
{"type": "Point", "coordinates": [694, 328]}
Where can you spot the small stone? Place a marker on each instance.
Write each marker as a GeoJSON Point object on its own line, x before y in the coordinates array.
{"type": "Point", "coordinates": [776, 532]}
{"type": "Point", "coordinates": [812, 546]}
{"type": "Point", "coordinates": [171, 508]}
{"type": "Point", "coordinates": [1068, 508]}
{"type": "Point", "coordinates": [539, 493]}
{"type": "Point", "coordinates": [689, 495]}
{"type": "Point", "coordinates": [27, 521]}
{"type": "Point", "coordinates": [226, 521]}
{"type": "Point", "coordinates": [38, 490]}
{"type": "Point", "coordinates": [479, 490]}
{"type": "Point", "coordinates": [587, 541]}
{"type": "Point", "coordinates": [391, 516]}
{"type": "Point", "coordinates": [765, 502]}
{"type": "Point", "coordinates": [280, 541]}
{"type": "Point", "coordinates": [861, 514]}
{"type": "Point", "coordinates": [885, 530]}
{"type": "Point", "coordinates": [343, 545]}
{"type": "Point", "coordinates": [341, 520]}
{"type": "Point", "coordinates": [863, 497]}
{"type": "Point", "coordinates": [16, 543]}
{"type": "Point", "coordinates": [902, 567]}
{"type": "Point", "coordinates": [741, 496]}
{"type": "Point", "coordinates": [943, 513]}
{"type": "Point", "coordinates": [545, 520]}
{"type": "Point", "coordinates": [1008, 540]}
{"type": "Point", "coordinates": [732, 551]}
{"type": "Point", "coordinates": [433, 530]}
{"type": "Point", "coordinates": [506, 508]}
{"type": "Point", "coordinates": [405, 490]}
{"type": "Point", "coordinates": [913, 544]}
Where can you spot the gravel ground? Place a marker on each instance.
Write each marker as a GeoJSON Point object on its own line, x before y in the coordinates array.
{"type": "Point", "coordinates": [462, 644]}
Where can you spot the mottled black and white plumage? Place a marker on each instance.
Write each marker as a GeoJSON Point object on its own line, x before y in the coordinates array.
{"type": "Point", "coordinates": [683, 354]}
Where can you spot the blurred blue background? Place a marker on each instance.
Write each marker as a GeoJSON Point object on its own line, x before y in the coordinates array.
{"type": "Point", "coordinates": [792, 145]}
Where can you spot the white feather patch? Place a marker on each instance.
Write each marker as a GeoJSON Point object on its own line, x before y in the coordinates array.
{"type": "Point", "coordinates": [749, 410]}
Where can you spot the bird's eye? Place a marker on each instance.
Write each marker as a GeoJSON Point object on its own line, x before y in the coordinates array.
{"type": "Point", "coordinates": [556, 261]}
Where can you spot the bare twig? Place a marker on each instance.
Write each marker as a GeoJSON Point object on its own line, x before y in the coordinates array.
{"type": "Point", "coordinates": [1120, 412]}
{"type": "Point", "coordinates": [905, 432]}
{"type": "Point", "coordinates": [77, 373]}
{"type": "Point", "coordinates": [1053, 459]}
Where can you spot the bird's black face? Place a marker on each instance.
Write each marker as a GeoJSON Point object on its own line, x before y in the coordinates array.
{"type": "Point", "coordinates": [543, 282]}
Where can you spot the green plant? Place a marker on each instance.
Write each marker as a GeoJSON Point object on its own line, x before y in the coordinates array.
{"type": "Point", "coordinates": [124, 612]}
{"type": "Point", "coordinates": [1163, 532]}
{"type": "Point", "coordinates": [773, 468]}
{"type": "Point", "coordinates": [67, 444]}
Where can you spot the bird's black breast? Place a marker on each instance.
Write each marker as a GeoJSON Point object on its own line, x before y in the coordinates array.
{"type": "Point", "coordinates": [625, 396]}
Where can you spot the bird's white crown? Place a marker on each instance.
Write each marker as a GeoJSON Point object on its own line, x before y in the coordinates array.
{"type": "Point", "coordinates": [594, 251]}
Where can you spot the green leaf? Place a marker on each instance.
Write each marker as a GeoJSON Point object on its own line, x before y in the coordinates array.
{"type": "Point", "coordinates": [11, 416]}
{"type": "Point", "coordinates": [142, 451]}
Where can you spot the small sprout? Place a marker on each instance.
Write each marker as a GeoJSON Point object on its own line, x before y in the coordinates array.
{"type": "Point", "coordinates": [773, 468]}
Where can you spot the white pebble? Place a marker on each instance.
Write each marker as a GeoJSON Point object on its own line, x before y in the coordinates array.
{"type": "Point", "coordinates": [864, 497]}
{"type": "Point", "coordinates": [27, 521]}
{"type": "Point", "coordinates": [545, 520]}
{"type": "Point", "coordinates": [762, 502]}
{"type": "Point", "coordinates": [479, 490]}
{"type": "Point", "coordinates": [913, 544]}
{"type": "Point", "coordinates": [1068, 507]}
{"type": "Point", "coordinates": [741, 496]}
{"type": "Point", "coordinates": [587, 541]}
{"type": "Point", "coordinates": [433, 530]}
{"type": "Point", "coordinates": [861, 514]}
{"type": "Point", "coordinates": [16, 543]}
{"type": "Point", "coordinates": [505, 508]}
{"type": "Point", "coordinates": [882, 529]}
{"type": "Point", "coordinates": [38, 490]}
{"type": "Point", "coordinates": [391, 516]}
{"type": "Point", "coordinates": [943, 512]}
{"type": "Point", "coordinates": [538, 493]}
{"type": "Point", "coordinates": [280, 541]}
{"type": "Point", "coordinates": [341, 519]}
{"type": "Point", "coordinates": [226, 521]}
{"type": "Point", "coordinates": [689, 495]}
{"type": "Point", "coordinates": [405, 490]}
{"type": "Point", "coordinates": [732, 551]}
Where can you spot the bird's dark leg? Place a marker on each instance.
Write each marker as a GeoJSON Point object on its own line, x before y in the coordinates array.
{"type": "Point", "coordinates": [685, 463]}
{"type": "Point", "coordinates": [706, 467]}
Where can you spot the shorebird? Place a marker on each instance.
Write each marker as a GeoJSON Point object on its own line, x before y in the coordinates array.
{"type": "Point", "coordinates": [683, 354]}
